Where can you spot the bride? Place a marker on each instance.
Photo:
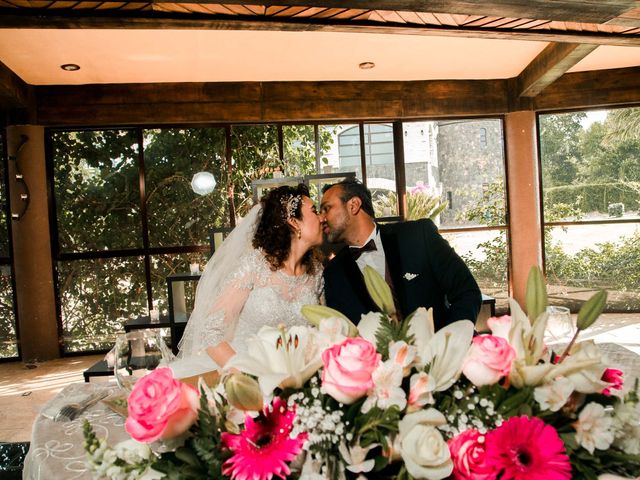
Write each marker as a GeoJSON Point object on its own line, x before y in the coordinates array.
{"type": "Point", "coordinates": [264, 272]}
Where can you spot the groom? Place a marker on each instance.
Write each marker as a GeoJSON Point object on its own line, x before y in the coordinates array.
{"type": "Point", "coordinates": [420, 266]}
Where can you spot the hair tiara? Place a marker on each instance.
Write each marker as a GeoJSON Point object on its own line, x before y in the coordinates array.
{"type": "Point", "coordinates": [290, 204]}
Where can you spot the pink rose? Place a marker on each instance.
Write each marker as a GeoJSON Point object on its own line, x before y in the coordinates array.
{"type": "Point", "coordinates": [614, 378]}
{"type": "Point", "coordinates": [347, 369]}
{"type": "Point", "coordinates": [467, 452]}
{"type": "Point", "coordinates": [161, 407]}
{"type": "Point", "coordinates": [489, 359]}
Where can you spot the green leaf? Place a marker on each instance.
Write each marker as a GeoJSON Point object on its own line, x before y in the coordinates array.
{"type": "Point", "coordinates": [569, 440]}
{"type": "Point", "coordinates": [536, 294]}
{"type": "Point", "coordinates": [591, 310]}
{"type": "Point", "coordinates": [187, 456]}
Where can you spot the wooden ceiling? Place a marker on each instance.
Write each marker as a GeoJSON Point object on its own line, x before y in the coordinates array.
{"type": "Point", "coordinates": [600, 22]}
{"type": "Point", "coordinates": [573, 28]}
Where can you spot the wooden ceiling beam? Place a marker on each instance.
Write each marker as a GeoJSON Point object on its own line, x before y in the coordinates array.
{"type": "Point", "coordinates": [255, 102]}
{"type": "Point", "coordinates": [196, 22]}
{"type": "Point", "coordinates": [601, 88]}
{"type": "Point", "coordinates": [14, 92]}
{"type": "Point", "coordinates": [550, 64]}
{"type": "Point", "coordinates": [589, 11]}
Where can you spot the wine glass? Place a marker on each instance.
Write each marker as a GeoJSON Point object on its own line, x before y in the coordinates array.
{"type": "Point", "coordinates": [137, 353]}
{"type": "Point", "coordinates": [560, 326]}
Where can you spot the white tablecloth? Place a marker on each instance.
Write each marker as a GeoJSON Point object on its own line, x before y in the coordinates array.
{"type": "Point", "coordinates": [56, 450]}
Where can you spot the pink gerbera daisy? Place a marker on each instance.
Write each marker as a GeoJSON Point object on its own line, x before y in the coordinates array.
{"type": "Point", "coordinates": [265, 446]}
{"type": "Point", "coordinates": [527, 448]}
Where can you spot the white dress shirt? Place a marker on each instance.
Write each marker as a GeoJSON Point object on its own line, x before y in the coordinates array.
{"type": "Point", "coordinates": [375, 258]}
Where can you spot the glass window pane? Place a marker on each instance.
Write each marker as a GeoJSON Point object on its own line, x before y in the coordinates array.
{"type": "Point", "coordinates": [378, 144]}
{"type": "Point", "coordinates": [96, 185]}
{"type": "Point", "coordinates": [164, 265]}
{"type": "Point", "coordinates": [591, 172]}
{"type": "Point", "coordinates": [424, 188]}
{"type": "Point", "coordinates": [176, 214]}
{"type": "Point", "coordinates": [340, 149]}
{"type": "Point", "coordinates": [8, 339]}
{"type": "Point", "coordinates": [485, 253]}
{"type": "Point", "coordinates": [470, 162]}
{"type": "Point", "coordinates": [97, 297]}
{"type": "Point", "coordinates": [580, 259]}
{"type": "Point", "coordinates": [255, 156]}
{"type": "Point", "coordinates": [299, 150]}
{"type": "Point", "coordinates": [591, 165]}
{"type": "Point", "coordinates": [381, 170]}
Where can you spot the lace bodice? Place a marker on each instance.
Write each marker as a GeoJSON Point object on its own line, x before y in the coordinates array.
{"type": "Point", "coordinates": [255, 296]}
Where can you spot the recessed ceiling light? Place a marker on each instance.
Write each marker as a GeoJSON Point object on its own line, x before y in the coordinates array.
{"type": "Point", "coordinates": [70, 67]}
{"type": "Point", "coordinates": [367, 65]}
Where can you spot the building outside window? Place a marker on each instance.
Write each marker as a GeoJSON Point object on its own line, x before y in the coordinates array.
{"type": "Point", "coordinates": [464, 179]}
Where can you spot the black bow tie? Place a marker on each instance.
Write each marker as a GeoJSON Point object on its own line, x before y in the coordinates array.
{"type": "Point", "coordinates": [370, 246]}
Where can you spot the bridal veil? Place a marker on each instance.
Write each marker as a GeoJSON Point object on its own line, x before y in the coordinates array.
{"type": "Point", "coordinates": [212, 283]}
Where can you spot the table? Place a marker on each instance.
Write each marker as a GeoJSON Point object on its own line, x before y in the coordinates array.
{"type": "Point", "coordinates": [56, 450]}
{"type": "Point", "coordinates": [142, 322]}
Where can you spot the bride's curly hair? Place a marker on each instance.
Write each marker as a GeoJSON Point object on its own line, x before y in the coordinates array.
{"type": "Point", "coordinates": [273, 234]}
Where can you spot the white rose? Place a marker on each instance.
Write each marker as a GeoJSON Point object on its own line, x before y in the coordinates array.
{"type": "Point", "coordinates": [424, 451]}
{"type": "Point", "coordinates": [594, 428]}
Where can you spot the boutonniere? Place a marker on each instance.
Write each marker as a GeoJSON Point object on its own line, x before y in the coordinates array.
{"type": "Point", "coordinates": [410, 276]}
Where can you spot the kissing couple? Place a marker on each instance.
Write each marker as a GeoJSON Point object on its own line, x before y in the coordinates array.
{"type": "Point", "coordinates": [270, 266]}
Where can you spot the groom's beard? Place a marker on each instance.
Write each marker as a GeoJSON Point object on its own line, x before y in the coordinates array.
{"type": "Point", "coordinates": [336, 231]}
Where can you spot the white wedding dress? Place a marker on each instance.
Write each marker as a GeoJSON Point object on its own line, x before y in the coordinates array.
{"type": "Point", "coordinates": [238, 294]}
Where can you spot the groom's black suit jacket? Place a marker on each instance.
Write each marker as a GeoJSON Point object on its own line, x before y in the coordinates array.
{"type": "Point", "coordinates": [442, 280]}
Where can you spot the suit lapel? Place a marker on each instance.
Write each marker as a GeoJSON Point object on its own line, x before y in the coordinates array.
{"type": "Point", "coordinates": [392, 256]}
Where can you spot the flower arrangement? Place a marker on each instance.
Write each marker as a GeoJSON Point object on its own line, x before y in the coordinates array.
{"type": "Point", "coordinates": [390, 399]}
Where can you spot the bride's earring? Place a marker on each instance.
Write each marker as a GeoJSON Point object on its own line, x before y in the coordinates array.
{"type": "Point", "coordinates": [299, 232]}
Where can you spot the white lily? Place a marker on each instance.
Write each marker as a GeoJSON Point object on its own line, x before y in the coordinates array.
{"type": "Point", "coordinates": [444, 351]}
{"type": "Point", "coordinates": [331, 331]}
{"type": "Point", "coordinates": [368, 326]}
{"type": "Point", "coordinates": [387, 390]}
{"type": "Point", "coordinates": [421, 386]}
{"type": "Point", "coordinates": [528, 343]}
{"type": "Point", "coordinates": [584, 367]}
{"type": "Point", "coordinates": [554, 395]}
{"type": "Point", "coordinates": [356, 457]}
{"type": "Point", "coordinates": [403, 354]}
{"type": "Point", "coordinates": [531, 375]}
{"type": "Point", "coordinates": [280, 358]}
{"type": "Point", "coordinates": [315, 314]}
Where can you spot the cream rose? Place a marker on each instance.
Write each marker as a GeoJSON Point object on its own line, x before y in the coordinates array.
{"type": "Point", "coordinates": [424, 451]}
